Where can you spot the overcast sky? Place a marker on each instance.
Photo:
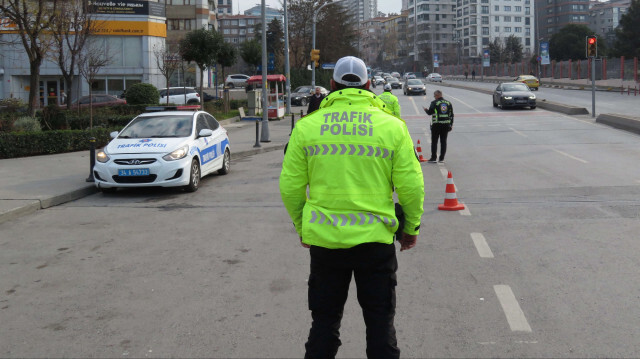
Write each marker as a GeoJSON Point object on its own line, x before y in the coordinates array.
{"type": "Point", "coordinates": [239, 6]}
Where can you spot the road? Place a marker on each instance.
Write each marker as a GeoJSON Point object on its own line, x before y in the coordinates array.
{"type": "Point", "coordinates": [542, 263]}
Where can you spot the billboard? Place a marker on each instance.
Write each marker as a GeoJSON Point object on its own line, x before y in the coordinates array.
{"type": "Point", "coordinates": [127, 7]}
{"type": "Point", "coordinates": [486, 58]}
{"type": "Point", "coordinates": [436, 60]}
{"type": "Point", "coordinates": [544, 53]}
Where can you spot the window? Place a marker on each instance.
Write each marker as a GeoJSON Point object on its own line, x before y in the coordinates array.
{"type": "Point", "coordinates": [507, 19]}
{"type": "Point", "coordinates": [496, 18]}
{"type": "Point", "coordinates": [527, 41]}
{"type": "Point", "coordinates": [485, 41]}
{"type": "Point", "coordinates": [496, 28]}
{"type": "Point", "coordinates": [485, 9]}
{"type": "Point", "coordinates": [242, 22]}
{"type": "Point", "coordinates": [517, 19]}
{"type": "Point", "coordinates": [485, 31]}
{"type": "Point", "coordinates": [527, 10]}
{"type": "Point", "coordinates": [507, 29]}
{"type": "Point", "coordinates": [496, 7]}
{"type": "Point", "coordinates": [527, 31]}
{"type": "Point", "coordinates": [518, 8]}
{"type": "Point", "coordinates": [485, 20]}
{"type": "Point", "coordinates": [518, 29]}
{"type": "Point", "coordinates": [507, 8]}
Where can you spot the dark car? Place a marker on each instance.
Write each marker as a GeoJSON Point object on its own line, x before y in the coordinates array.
{"type": "Point", "coordinates": [99, 100]}
{"type": "Point", "coordinates": [300, 96]}
{"type": "Point", "coordinates": [207, 97]}
{"type": "Point", "coordinates": [414, 87]}
{"type": "Point", "coordinates": [513, 94]}
{"type": "Point", "coordinates": [395, 84]}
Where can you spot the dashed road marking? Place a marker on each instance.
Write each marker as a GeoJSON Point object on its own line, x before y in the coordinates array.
{"type": "Point", "coordinates": [518, 132]}
{"type": "Point", "coordinates": [515, 316]}
{"type": "Point", "coordinates": [570, 156]}
{"type": "Point", "coordinates": [465, 211]}
{"type": "Point", "coordinates": [413, 102]}
{"type": "Point", "coordinates": [464, 103]}
{"type": "Point", "coordinates": [481, 245]}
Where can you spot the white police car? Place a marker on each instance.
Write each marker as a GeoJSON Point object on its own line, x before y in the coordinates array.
{"type": "Point", "coordinates": [167, 148]}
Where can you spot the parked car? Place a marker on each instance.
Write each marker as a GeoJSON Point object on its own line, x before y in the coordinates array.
{"type": "Point", "coordinates": [395, 84]}
{"type": "Point", "coordinates": [434, 77]}
{"type": "Point", "coordinates": [513, 94]}
{"type": "Point", "coordinates": [99, 100]}
{"type": "Point", "coordinates": [166, 149]}
{"type": "Point", "coordinates": [529, 80]}
{"type": "Point", "coordinates": [300, 96]}
{"type": "Point", "coordinates": [414, 87]}
{"type": "Point", "coordinates": [236, 80]}
{"type": "Point", "coordinates": [180, 96]}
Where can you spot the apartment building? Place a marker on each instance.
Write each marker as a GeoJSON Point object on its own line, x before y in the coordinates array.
{"type": "Point", "coordinates": [431, 29]}
{"type": "Point", "coordinates": [362, 10]}
{"type": "Point", "coordinates": [225, 7]}
{"type": "Point", "coordinates": [553, 15]}
{"type": "Point", "coordinates": [604, 17]}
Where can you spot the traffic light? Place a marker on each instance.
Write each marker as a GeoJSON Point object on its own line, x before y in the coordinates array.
{"type": "Point", "coordinates": [592, 46]}
{"type": "Point", "coordinates": [315, 56]}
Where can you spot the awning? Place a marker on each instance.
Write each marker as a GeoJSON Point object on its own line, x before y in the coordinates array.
{"type": "Point", "coordinates": [270, 78]}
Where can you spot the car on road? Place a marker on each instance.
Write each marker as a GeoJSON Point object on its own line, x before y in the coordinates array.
{"type": "Point", "coordinates": [434, 77]}
{"type": "Point", "coordinates": [301, 95]}
{"type": "Point", "coordinates": [236, 80]}
{"type": "Point", "coordinates": [409, 75]}
{"type": "Point", "coordinates": [529, 80]}
{"type": "Point", "coordinates": [164, 148]}
{"type": "Point", "coordinates": [180, 96]}
{"type": "Point", "coordinates": [379, 80]}
{"type": "Point", "coordinates": [513, 94]}
{"type": "Point", "coordinates": [414, 87]}
{"type": "Point", "coordinates": [97, 100]}
{"type": "Point", "coordinates": [396, 75]}
{"type": "Point", "coordinates": [394, 82]}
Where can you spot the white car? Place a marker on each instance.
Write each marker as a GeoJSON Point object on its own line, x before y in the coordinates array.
{"type": "Point", "coordinates": [166, 149]}
{"type": "Point", "coordinates": [236, 80]}
{"type": "Point", "coordinates": [180, 96]}
{"type": "Point", "coordinates": [434, 77]}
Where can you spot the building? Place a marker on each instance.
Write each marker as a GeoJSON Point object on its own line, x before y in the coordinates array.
{"type": "Point", "coordinates": [127, 35]}
{"type": "Point", "coordinates": [237, 29]}
{"type": "Point", "coordinates": [270, 13]}
{"type": "Point", "coordinates": [225, 7]}
{"type": "Point", "coordinates": [604, 17]}
{"type": "Point", "coordinates": [384, 42]}
{"type": "Point", "coordinates": [434, 33]}
{"type": "Point", "coordinates": [363, 10]}
{"type": "Point", "coordinates": [553, 15]}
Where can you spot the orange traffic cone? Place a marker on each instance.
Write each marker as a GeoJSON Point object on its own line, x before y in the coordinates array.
{"type": "Point", "coordinates": [450, 199]}
{"type": "Point", "coordinates": [419, 150]}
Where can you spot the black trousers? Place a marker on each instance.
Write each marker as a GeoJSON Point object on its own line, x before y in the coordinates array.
{"type": "Point", "coordinates": [374, 267]}
{"type": "Point", "coordinates": [439, 131]}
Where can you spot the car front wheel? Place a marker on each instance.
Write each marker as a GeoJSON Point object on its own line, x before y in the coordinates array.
{"type": "Point", "coordinates": [226, 163]}
{"type": "Point", "coordinates": [194, 177]}
{"type": "Point", "coordinates": [230, 85]}
{"type": "Point", "coordinates": [304, 102]}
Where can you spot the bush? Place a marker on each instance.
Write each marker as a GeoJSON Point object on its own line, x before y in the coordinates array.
{"type": "Point", "coordinates": [21, 144]}
{"type": "Point", "coordinates": [142, 94]}
{"type": "Point", "coordinates": [27, 124]}
{"type": "Point", "coordinates": [53, 118]}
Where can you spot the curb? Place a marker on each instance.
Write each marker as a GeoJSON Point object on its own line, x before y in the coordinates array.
{"type": "Point", "coordinates": [627, 123]}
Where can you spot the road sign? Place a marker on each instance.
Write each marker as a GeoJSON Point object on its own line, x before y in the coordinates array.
{"type": "Point", "coordinates": [328, 66]}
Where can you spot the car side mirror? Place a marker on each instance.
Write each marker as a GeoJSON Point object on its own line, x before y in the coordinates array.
{"type": "Point", "coordinates": [205, 132]}
{"type": "Point", "coordinates": [113, 134]}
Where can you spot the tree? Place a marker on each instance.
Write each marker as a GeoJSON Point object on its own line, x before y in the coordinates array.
{"type": "Point", "coordinates": [91, 60]}
{"type": "Point", "coordinates": [628, 33]}
{"type": "Point", "coordinates": [275, 42]}
{"type": "Point", "coordinates": [251, 53]}
{"type": "Point", "coordinates": [70, 29]}
{"type": "Point", "coordinates": [496, 51]}
{"type": "Point", "coordinates": [33, 19]}
{"type": "Point", "coordinates": [227, 56]}
{"type": "Point", "coordinates": [570, 43]}
{"type": "Point", "coordinates": [201, 46]}
{"type": "Point", "coordinates": [513, 49]}
{"type": "Point", "coordinates": [168, 61]}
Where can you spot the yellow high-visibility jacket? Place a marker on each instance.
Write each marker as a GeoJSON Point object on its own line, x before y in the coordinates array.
{"type": "Point", "coordinates": [391, 101]}
{"type": "Point", "coordinates": [350, 154]}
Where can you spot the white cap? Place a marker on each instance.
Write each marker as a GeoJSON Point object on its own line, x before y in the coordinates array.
{"type": "Point", "coordinates": [387, 87]}
{"type": "Point", "coordinates": [350, 65]}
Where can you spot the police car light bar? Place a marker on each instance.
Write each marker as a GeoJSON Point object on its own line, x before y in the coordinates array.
{"type": "Point", "coordinates": [172, 108]}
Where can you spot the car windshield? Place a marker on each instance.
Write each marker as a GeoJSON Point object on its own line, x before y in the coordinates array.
{"type": "Point", "coordinates": [414, 82]}
{"type": "Point", "coordinates": [393, 79]}
{"type": "Point", "coordinates": [158, 127]}
{"type": "Point", "coordinates": [515, 87]}
{"type": "Point", "coordinates": [305, 89]}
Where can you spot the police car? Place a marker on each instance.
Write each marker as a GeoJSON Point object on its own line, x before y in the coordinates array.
{"type": "Point", "coordinates": [168, 147]}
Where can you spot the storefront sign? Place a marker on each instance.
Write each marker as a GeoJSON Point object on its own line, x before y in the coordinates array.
{"type": "Point", "coordinates": [127, 7]}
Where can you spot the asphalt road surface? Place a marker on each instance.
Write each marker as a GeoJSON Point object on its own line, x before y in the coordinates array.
{"type": "Point", "coordinates": [542, 263]}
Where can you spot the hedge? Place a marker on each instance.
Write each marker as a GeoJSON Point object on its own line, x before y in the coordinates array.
{"type": "Point", "coordinates": [22, 144]}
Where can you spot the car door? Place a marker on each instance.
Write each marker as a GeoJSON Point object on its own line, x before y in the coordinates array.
{"type": "Point", "coordinates": [206, 146]}
{"type": "Point", "coordinates": [219, 139]}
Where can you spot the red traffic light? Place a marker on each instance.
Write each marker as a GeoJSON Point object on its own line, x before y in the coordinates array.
{"type": "Point", "coordinates": [592, 40]}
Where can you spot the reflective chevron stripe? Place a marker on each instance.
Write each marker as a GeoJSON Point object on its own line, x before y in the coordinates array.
{"type": "Point", "coordinates": [350, 219]}
{"type": "Point", "coordinates": [350, 150]}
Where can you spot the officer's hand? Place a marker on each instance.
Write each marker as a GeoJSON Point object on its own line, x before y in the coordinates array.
{"type": "Point", "coordinates": [450, 127]}
{"type": "Point", "coordinates": [408, 241]}
{"type": "Point", "coordinates": [303, 244]}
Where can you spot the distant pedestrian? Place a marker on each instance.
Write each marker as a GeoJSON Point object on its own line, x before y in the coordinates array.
{"type": "Point", "coordinates": [473, 74]}
{"type": "Point", "coordinates": [466, 75]}
{"type": "Point", "coordinates": [441, 112]}
{"type": "Point", "coordinates": [314, 101]}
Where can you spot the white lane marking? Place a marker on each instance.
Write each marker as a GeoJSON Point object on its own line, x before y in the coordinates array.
{"type": "Point", "coordinates": [445, 172]}
{"type": "Point", "coordinates": [515, 315]}
{"type": "Point", "coordinates": [570, 156]}
{"type": "Point", "coordinates": [464, 103]}
{"type": "Point", "coordinates": [415, 107]}
{"type": "Point", "coordinates": [638, 181]}
{"type": "Point", "coordinates": [518, 132]}
{"type": "Point", "coordinates": [481, 245]}
{"type": "Point", "coordinates": [465, 211]}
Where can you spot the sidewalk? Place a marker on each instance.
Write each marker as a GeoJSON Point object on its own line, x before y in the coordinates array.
{"type": "Point", "coordinates": [31, 183]}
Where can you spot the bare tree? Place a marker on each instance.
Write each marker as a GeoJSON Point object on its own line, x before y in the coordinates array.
{"type": "Point", "coordinates": [70, 30]}
{"type": "Point", "coordinates": [91, 60]}
{"type": "Point", "coordinates": [168, 61]}
{"type": "Point", "coordinates": [33, 20]}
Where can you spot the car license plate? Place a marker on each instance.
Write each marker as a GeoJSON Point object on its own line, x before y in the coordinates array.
{"type": "Point", "coordinates": [133, 172]}
{"type": "Point", "coordinates": [521, 101]}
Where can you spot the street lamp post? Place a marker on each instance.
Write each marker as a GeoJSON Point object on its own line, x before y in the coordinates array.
{"type": "Point", "coordinates": [286, 58]}
{"type": "Point", "coordinates": [313, 41]}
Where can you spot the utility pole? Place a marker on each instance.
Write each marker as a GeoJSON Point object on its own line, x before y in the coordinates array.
{"type": "Point", "coordinates": [286, 58]}
{"type": "Point", "coordinates": [264, 136]}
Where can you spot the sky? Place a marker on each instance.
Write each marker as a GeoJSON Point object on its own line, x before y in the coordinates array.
{"type": "Point", "coordinates": [386, 6]}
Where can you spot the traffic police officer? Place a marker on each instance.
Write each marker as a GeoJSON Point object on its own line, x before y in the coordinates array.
{"type": "Point", "coordinates": [441, 112]}
{"type": "Point", "coordinates": [390, 100]}
{"type": "Point", "coordinates": [350, 155]}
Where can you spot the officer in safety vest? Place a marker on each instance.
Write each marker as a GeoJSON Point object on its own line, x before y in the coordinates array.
{"type": "Point", "coordinates": [441, 112]}
{"type": "Point", "coordinates": [390, 100]}
{"type": "Point", "coordinates": [350, 155]}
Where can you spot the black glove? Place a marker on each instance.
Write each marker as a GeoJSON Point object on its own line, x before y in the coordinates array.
{"type": "Point", "coordinates": [450, 128]}
{"type": "Point", "coordinates": [400, 216]}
